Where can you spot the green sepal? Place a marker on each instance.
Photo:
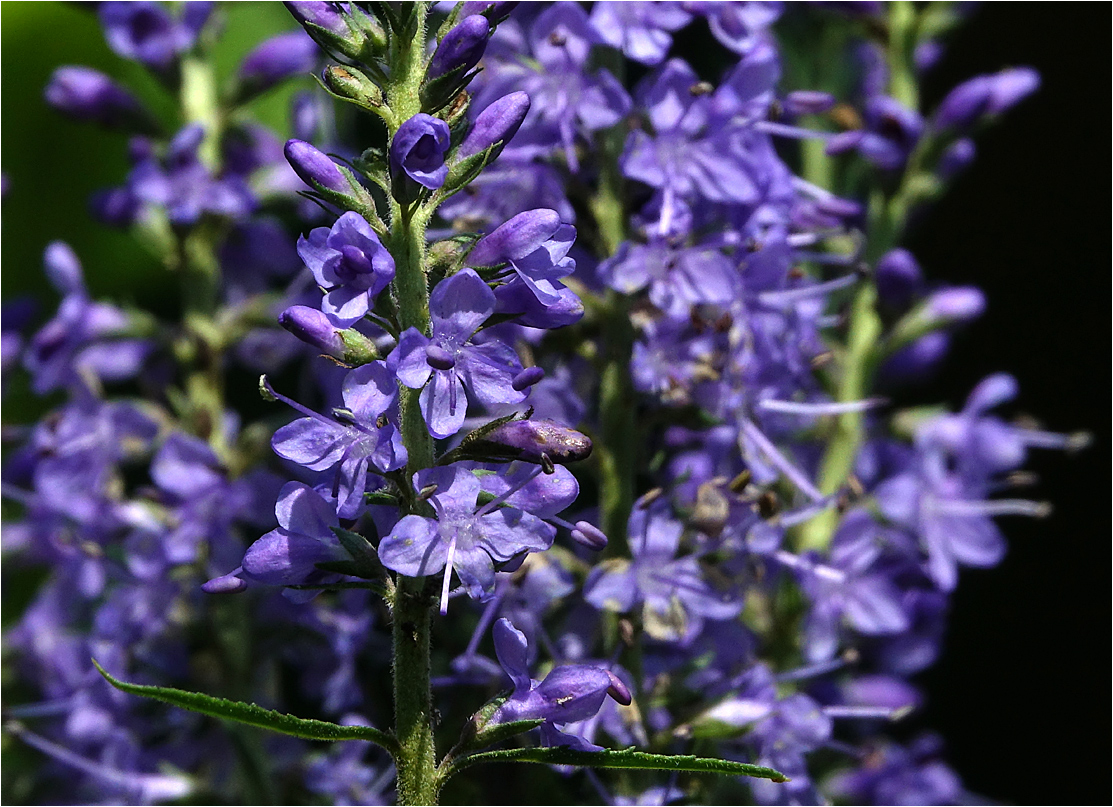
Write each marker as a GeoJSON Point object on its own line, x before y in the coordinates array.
{"type": "Point", "coordinates": [463, 172]}
{"type": "Point", "coordinates": [503, 731]}
{"type": "Point", "coordinates": [629, 759]}
{"type": "Point", "coordinates": [439, 92]}
{"type": "Point", "coordinates": [254, 715]}
{"type": "Point", "coordinates": [379, 497]}
{"type": "Point", "coordinates": [357, 546]}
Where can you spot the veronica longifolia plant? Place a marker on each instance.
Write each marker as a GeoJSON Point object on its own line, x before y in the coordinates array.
{"type": "Point", "coordinates": [570, 377]}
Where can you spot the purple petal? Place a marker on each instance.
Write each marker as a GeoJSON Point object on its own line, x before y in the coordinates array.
{"type": "Point", "coordinates": [414, 547]}
{"type": "Point", "coordinates": [459, 305]}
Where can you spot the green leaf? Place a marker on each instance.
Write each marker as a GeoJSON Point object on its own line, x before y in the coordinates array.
{"type": "Point", "coordinates": [619, 759]}
{"type": "Point", "coordinates": [254, 715]}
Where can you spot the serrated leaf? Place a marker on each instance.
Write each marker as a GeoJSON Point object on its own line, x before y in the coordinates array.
{"type": "Point", "coordinates": [629, 758]}
{"type": "Point", "coordinates": [253, 715]}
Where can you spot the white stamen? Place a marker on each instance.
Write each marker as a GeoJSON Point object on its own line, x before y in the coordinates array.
{"type": "Point", "coordinates": [447, 574]}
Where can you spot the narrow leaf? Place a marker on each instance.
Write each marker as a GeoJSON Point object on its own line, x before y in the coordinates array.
{"type": "Point", "coordinates": [254, 715]}
{"type": "Point", "coordinates": [620, 759]}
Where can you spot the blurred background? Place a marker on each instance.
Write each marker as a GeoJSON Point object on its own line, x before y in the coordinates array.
{"type": "Point", "coordinates": [1016, 694]}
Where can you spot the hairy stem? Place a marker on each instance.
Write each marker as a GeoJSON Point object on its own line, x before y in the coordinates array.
{"type": "Point", "coordinates": [411, 609]}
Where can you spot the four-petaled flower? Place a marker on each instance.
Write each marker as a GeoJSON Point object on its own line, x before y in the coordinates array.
{"type": "Point", "coordinates": [449, 362]}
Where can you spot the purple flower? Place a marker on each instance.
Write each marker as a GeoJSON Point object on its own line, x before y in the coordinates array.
{"type": "Point", "coordinates": [288, 555]}
{"type": "Point", "coordinates": [89, 95]}
{"type": "Point", "coordinates": [984, 96]}
{"type": "Point", "coordinates": [640, 30]}
{"type": "Point", "coordinates": [184, 186]}
{"type": "Point", "coordinates": [350, 264]}
{"type": "Point", "coordinates": [675, 596]}
{"type": "Point", "coordinates": [147, 33]}
{"type": "Point", "coordinates": [463, 537]}
{"type": "Point", "coordinates": [448, 361]}
{"type": "Point", "coordinates": [568, 694]}
{"type": "Point", "coordinates": [418, 149]}
{"type": "Point", "coordinates": [354, 441]}
{"type": "Point", "coordinates": [315, 168]}
{"type": "Point", "coordinates": [535, 244]}
{"type": "Point", "coordinates": [276, 59]}
{"type": "Point", "coordinates": [462, 47]}
{"type": "Point", "coordinates": [498, 122]}
{"type": "Point", "coordinates": [76, 341]}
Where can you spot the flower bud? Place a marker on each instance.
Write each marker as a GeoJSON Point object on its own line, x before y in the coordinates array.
{"type": "Point", "coordinates": [808, 102]}
{"type": "Point", "coordinates": [500, 121]}
{"type": "Point", "coordinates": [898, 278]}
{"type": "Point", "coordinates": [347, 82]}
{"type": "Point", "coordinates": [89, 95]}
{"type": "Point", "coordinates": [964, 104]}
{"type": "Point", "coordinates": [225, 584]}
{"type": "Point", "coordinates": [340, 28]}
{"type": "Point", "coordinates": [516, 238]}
{"type": "Point", "coordinates": [956, 305]}
{"type": "Point", "coordinates": [618, 690]}
{"type": "Point", "coordinates": [527, 378]}
{"type": "Point", "coordinates": [587, 534]}
{"type": "Point", "coordinates": [311, 326]}
{"type": "Point", "coordinates": [531, 440]}
{"type": "Point", "coordinates": [275, 60]}
{"type": "Point", "coordinates": [494, 12]}
{"type": "Point", "coordinates": [956, 158]}
{"type": "Point", "coordinates": [315, 168]}
{"type": "Point", "coordinates": [462, 47]}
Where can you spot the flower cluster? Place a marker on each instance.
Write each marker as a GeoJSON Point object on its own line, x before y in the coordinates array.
{"type": "Point", "coordinates": [601, 363]}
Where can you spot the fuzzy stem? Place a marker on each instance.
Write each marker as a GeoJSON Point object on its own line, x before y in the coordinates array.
{"type": "Point", "coordinates": [411, 611]}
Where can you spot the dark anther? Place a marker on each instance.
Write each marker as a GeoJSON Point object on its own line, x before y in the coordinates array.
{"type": "Point", "coordinates": [767, 505]}
{"type": "Point", "coordinates": [558, 39]}
{"type": "Point", "coordinates": [738, 484]}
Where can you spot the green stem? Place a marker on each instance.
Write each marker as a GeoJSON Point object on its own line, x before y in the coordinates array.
{"type": "Point", "coordinates": [887, 215]}
{"type": "Point", "coordinates": [617, 446]}
{"type": "Point", "coordinates": [411, 609]}
{"type": "Point", "coordinates": [413, 700]}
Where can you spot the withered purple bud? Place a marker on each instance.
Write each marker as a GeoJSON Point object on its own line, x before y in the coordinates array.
{"type": "Point", "coordinates": [530, 440]}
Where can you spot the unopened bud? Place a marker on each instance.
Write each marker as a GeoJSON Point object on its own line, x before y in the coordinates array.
{"type": "Point", "coordinates": [315, 168]}
{"type": "Point", "coordinates": [311, 326]}
{"type": "Point", "coordinates": [516, 238]}
{"type": "Point", "coordinates": [527, 378]}
{"type": "Point", "coordinates": [462, 47]}
{"type": "Point", "coordinates": [956, 305]}
{"type": "Point", "coordinates": [808, 102]}
{"type": "Point", "coordinates": [225, 584]}
{"type": "Point", "coordinates": [530, 439]}
{"type": "Point", "coordinates": [276, 59]}
{"type": "Point", "coordinates": [499, 122]}
{"type": "Point", "coordinates": [618, 690]}
{"type": "Point", "coordinates": [347, 82]}
{"type": "Point", "coordinates": [89, 95]}
{"type": "Point", "coordinates": [589, 535]}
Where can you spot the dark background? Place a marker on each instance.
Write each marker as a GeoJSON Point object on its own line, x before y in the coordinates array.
{"type": "Point", "coordinates": [1018, 692]}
